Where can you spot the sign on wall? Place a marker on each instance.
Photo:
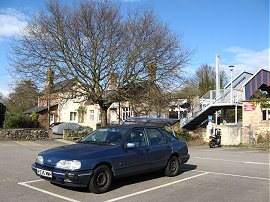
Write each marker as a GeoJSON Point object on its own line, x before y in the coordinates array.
{"type": "Point", "coordinates": [249, 106]}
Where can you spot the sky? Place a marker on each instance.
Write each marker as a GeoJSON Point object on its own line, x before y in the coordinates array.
{"type": "Point", "coordinates": [236, 30]}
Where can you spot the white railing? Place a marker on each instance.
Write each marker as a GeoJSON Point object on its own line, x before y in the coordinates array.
{"type": "Point", "coordinates": [223, 97]}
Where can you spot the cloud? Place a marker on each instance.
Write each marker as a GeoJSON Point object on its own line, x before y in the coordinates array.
{"type": "Point", "coordinates": [11, 21]}
{"type": "Point", "coordinates": [249, 60]}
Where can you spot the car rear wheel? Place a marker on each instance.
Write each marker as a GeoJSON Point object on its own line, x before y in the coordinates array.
{"type": "Point", "coordinates": [173, 167]}
{"type": "Point", "coordinates": [101, 180]}
{"type": "Point", "coordinates": [211, 144]}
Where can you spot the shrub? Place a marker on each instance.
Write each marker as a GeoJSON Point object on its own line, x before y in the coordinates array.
{"type": "Point", "coordinates": [34, 116]}
{"type": "Point", "coordinates": [182, 135]}
{"type": "Point", "coordinates": [19, 121]}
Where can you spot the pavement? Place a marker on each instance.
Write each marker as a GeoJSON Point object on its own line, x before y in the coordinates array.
{"type": "Point", "coordinates": [220, 174]}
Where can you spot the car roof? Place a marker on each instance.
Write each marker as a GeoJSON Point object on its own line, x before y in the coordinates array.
{"type": "Point", "coordinates": [129, 126]}
{"type": "Point", "coordinates": [159, 122]}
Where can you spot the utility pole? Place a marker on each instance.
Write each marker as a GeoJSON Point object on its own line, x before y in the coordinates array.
{"type": "Point", "coordinates": [217, 77]}
{"type": "Point", "coordinates": [48, 92]}
{"type": "Point", "coordinates": [217, 85]}
{"type": "Point", "coordinates": [231, 68]}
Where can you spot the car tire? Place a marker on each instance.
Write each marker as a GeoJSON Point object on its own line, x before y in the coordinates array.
{"type": "Point", "coordinates": [212, 145]}
{"type": "Point", "coordinates": [101, 180]}
{"type": "Point", "coordinates": [173, 167]}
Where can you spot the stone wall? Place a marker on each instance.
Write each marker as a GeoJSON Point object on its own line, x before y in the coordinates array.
{"type": "Point", "coordinates": [238, 134]}
{"type": "Point", "coordinates": [230, 134]}
{"type": "Point", "coordinates": [251, 133]}
{"type": "Point", "coordinates": [25, 134]}
{"type": "Point", "coordinates": [74, 135]}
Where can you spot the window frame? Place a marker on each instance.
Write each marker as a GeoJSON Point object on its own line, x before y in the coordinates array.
{"type": "Point", "coordinates": [52, 116]}
{"type": "Point", "coordinates": [144, 134]}
{"type": "Point", "coordinates": [265, 112]}
{"type": "Point", "coordinates": [92, 113]}
{"type": "Point", "coordinates": [72, 116]}
{"type": "Point", "coordinates": [126, 113]}
{"type": "Point", "coordinates": [162, 135]}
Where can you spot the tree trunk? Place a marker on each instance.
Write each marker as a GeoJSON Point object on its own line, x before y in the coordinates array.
{"type": "Point", "coordinates": [103, 112]}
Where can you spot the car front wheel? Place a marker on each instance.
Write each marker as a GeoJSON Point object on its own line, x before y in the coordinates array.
{"type": "Point", "coordinates": [101, 180]}
{"type": "Point", "coordinates": [173, 167]}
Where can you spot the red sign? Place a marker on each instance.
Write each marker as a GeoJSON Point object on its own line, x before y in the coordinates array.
{"type": "Point", "coordinates": [249, 107]}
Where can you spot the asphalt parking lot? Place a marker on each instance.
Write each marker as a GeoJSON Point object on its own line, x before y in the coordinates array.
{"type": "Point", "coordinates": [220, 174]}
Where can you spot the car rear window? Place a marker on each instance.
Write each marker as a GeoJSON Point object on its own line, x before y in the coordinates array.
{"type": "Point", "coordinates": [171, 137]}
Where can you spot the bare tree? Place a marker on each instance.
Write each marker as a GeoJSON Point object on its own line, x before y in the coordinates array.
{"type": "Point", "coordinates": [92, 40]}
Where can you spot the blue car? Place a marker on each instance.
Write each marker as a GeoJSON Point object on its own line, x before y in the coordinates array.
{"type": "Point", "coordinates": [112, 152]}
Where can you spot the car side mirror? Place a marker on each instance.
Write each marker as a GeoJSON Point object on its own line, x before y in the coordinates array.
{"type": "Point", "coordinates": [130, 145]}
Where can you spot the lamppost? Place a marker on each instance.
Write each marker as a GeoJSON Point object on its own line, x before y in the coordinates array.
{"type": "Point", "coordinates": [231, 68]}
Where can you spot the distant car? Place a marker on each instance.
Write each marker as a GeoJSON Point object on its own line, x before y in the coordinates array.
{"type": "Point", "coordinates": [55, 124]}
{"type": "Point", "coordinates": [113, 152]}
{"type": "Point", "coordinates": [59, 128]}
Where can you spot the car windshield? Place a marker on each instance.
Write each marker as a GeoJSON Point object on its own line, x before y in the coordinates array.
{"type": "Point", "coordinates": [108, 136]}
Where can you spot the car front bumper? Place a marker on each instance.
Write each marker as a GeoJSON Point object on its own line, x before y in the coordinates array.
{"type": "Point", "coordinates": [64, 177]}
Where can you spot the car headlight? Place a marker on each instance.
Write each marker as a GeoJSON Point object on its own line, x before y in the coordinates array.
{"type": "Point", "coordinates": [68, 165]}
{"type": "Point", "coordinates": [39, 160]}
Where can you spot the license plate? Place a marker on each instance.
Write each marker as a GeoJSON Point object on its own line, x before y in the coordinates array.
{"type": "Point", "coordinates": [44, 173]}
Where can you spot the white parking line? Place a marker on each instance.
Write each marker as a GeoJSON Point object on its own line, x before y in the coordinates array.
{"type": "Point", "coordinates": [228, 174]}
{"type": "Point", "coordinates": [26, 184]}
{"type": "Point", "coordinates": [258, 163]}
{"type": "Point", "coordinates": [154, 188]}
{"type": "Point", "coordinates": [44, 191]}
{"type": "Point", "coordinates": [247, 162]}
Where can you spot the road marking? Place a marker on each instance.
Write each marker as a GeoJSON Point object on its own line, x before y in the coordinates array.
{"type": "Point", "coordinates": [7, 180]}
{"type": "Point", "coordinates": [8, 145]}
{"type": "Point", "coordinates": [250, 162]}
{"type": "Point", "coordinates": [44, 191]}
{"type": "Point", "coordinates": [247, 162]}
{"type": "Point", "coordinates": [233, 175]}
{"type": "Point", "coordinates": [30, 181]}
{"type": "Point", "coordinates": [154, 188]}
{"type": "Point", "coordinates": [27, 143]}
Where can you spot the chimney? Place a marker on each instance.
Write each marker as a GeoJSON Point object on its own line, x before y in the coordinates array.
{"type": "Point", "coordinates": [152, 72]}
{"type": "Point", "coordinates": [112, 80]}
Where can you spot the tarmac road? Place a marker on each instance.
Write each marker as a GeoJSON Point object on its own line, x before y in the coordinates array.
{"type": "Point", "coordinates": [220, 174]}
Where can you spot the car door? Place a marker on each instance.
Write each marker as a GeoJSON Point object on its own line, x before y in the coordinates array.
{"type": "Point", "coordinates": [160, 149]}
{"type": "Point", "coordinates": [135, 160]}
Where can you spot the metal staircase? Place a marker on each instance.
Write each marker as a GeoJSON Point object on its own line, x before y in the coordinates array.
{"type": "Point", "coordinates": [210, 103]}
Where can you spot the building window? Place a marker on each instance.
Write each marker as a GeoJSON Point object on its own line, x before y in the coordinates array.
{"type": "Point", "coordinates": [265, 114]}
{"type": "Point", "coordinates": [73, 116]}
{"type": "Point", "coordinates": [51, 118]}
{"type": "Point", "coordinates": [126, 113]}
{"type": "Point", "coordinates": [92, 115]}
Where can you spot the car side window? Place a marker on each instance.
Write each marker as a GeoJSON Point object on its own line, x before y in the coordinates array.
{"type": "Point", "coordinates": [155, 136]}
{"type": "Point", "coordinates": [137, 136]}
{"type": "Point", "coordinates": [170, 136]}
